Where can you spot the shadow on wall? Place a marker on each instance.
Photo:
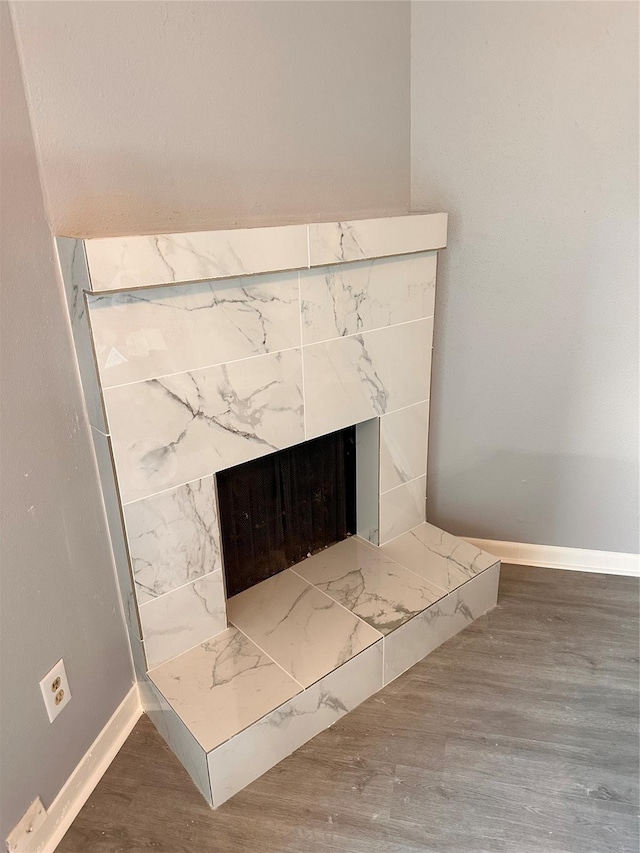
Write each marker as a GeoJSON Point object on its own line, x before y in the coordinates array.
{"type": "Point", "coordinates": [565, 517]}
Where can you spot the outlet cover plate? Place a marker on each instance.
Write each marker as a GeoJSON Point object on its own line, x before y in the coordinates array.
{"type": "Point", "coordinates": [20, 839]}
{"type": "Point", "coordinates": [55, 681]}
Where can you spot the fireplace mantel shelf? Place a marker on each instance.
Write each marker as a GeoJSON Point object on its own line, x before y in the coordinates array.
{"type": "Point", "coordinates": [127, 263]}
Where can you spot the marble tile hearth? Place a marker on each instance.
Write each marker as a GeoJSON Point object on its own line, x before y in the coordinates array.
{"type": "Point", "coordinates": [309, 644]}
{"type": "Point", "coordinates": [198, 352]}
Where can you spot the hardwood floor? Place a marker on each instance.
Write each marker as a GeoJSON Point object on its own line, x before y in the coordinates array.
{"type": "Point", "coordinates": [518, 735]}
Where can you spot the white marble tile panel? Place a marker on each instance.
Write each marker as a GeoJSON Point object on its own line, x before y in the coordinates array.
{"type": "Point", "coordinates": [349, 298]}
{"type": "Point", "coordinates": [75, 278]}
{"type": "Point", "coordinates": [222, 686]}
{"type": "Point", "coordinates": [144, 334]}
{"type": "Point", "coordinates": [244, 758]}
{"type": "Point", "coordinates": [360, 578]}
{"type": "Point", "coordinates": [442, 559]}
{"type": "Point", "coordinates": [425, 632]}
{"type": "Point", "coordinates": [179, 739]}
{"type": "Point", "coordinates": [173, 538]}
{"type": "Point", "coordinates": [126, 262]}
{"type": "Point", "coordinates": [180, 428]}
{"type": "Point", "coordinates": [403, 445]}
{"type": "Point", "coordinates": [367, 479]}
{"type": "Point", "coordinates": [352, 379]}
{"type": "Point", "coordinates": [402, 508]}
{"type": "Point", "coordinates": [300, 627]}
{"type": "Point", "coordinates": [332, 242]}
{"type": "Point", "coordinates": [181, 619]}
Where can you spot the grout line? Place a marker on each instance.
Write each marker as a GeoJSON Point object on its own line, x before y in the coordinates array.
{"type": "Point", "coordinates": [326, 594]}
{"type": "Point", "coordinates": [404, 408]}
{"type": "Point", "coordinates": [181, 485]}
{"type": "Point", "coordinates": [182, 586]}
{"type": "Point", "coordinates": [244, 633]}
{"type": "Point", "coordinates": [387, 558]}
{"type": "Point", "coordinates": [302, 345]}
{"type": "Point", "coordinates": [204, 367]}
{"type": "Point", "coordinates": [304, 396]}
{"type": "Point", "coordinates": [363, 332]}
{"type": "Point", "coordinates": [402, 485]}
{"type": "Point", "coordinates": [217, 470]}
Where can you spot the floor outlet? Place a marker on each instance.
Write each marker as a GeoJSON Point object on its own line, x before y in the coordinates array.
{"type": "Point", "coordinates": [55, 690]}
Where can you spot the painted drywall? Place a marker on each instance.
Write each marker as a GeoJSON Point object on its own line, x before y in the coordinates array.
{"type": "Point", "coordinates": [57, 587]}
{"type": "Point", "coordinates": [166, 116]}
{"type": "Point", "coordinates": [525, 128]}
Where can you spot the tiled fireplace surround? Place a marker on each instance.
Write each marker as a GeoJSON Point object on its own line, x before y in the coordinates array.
{"type": "Point", "coordinates": [201, 351]}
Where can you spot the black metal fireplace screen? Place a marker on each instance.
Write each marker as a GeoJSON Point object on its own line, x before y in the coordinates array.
{"type": "Point", "coordinates": [277, 510]}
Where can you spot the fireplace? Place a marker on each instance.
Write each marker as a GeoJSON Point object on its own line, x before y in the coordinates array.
{"type": "Point", "coordinates": [257, 396]}
{"type": "Point", "coordinates": [279, 509]}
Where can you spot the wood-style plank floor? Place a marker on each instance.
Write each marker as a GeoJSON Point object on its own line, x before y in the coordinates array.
{"type": "Point", "coordinates": [518, 735]}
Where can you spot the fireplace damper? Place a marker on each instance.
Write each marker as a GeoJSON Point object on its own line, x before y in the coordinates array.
{"type": "Point", "coordinates": [278, 509]}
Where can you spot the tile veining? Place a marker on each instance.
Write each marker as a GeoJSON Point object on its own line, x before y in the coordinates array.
{"type": "Point", "coordinates": [301, 628]}
{"type": "Point", "coordinates": [375, 588]}
{"type": "Point", "coordinates": [180, 428]}
{"type": "Point", "coordinates": [173, 538]}
{"type": "Point", "coordinates": [354, 378]}
{"type": "Point", "coordinates": [333, 242]}
{"type": "Point", "coordinates": [182, 618]}
{"type": "Point", "coordinates": [223, 685]}
{"type": "Point", "coordinates": [150, 333]}
{"type": "Point", "coordinates": [444, 559]}
{"type": "Point", "coordinates": [128, 262]}
{"type": "Point", "coordinates": [349, 298]}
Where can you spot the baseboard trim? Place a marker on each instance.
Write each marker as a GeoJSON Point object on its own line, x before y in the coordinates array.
{"type": "Point", "coordinates": [79, 786]}
{"type": "Point", "coordinates": [554, 557]}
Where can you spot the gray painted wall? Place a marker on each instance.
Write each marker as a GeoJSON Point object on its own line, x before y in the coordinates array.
{"type": "Point", "coordinates": [58, 592]}
{"type": "Point", "coordinates": [525, 128]}
{"type": "Point", "coordinates": [166, 116]}
{"type": "Point", "coordinates": [148, 117]}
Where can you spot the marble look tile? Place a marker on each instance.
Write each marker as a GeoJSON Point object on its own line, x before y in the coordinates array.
{"type": "Point", "coordinates": [104, 459]}
{"type": "Point", "coordinates": [181, 619]}
{"type": "Point", "coordinates": [350, 298]}
{"type": "Point", "coordinates": [442, 559]}
{"type": "Point", "coordinates": [154, 332]}
{"type": "Point", "coordinates": [222, 686]}
{"type": "Point", "coordinates": [178, 737]}
{"type": "Point", "coordinates": [180, 428]}
{"type": "Point", "coordinates": [403, 445]}
{"type": "Point", "coordinates": [302, 629]}
{"type": "Point", "coordinates": [75, 278]}
{"type": "Point", "coordinates": [356, 575]}
{"type": "Point", "coordinates": [367, 479]}
{"type": "Point", "coordinates": [126, 262]}
{"type": "Point", "coordinates": [421, 635]}
{"type": "Point", "coordinates": [352, 379]}
{"type": "Point", "coordinates": [173, 538]}
{"type": "Point", "coordinates": [247, 756]}
{"type": "Point", "coordinates": [402, 508]}
{"type": "Point", "coordinates": [331, 242]}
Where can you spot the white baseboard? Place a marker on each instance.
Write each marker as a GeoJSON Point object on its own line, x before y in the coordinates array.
{"type": "Point", "coordinates": [79, 786]}
{"type": "Point", "coordinates": [553, 557]}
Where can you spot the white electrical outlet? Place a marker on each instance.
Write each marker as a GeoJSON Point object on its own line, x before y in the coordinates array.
{"type": "Point", "coordinates": [55, 690]}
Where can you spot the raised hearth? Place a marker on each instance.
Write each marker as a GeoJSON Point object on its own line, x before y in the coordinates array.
{"type": "Point", "coordinates": [309, 644]}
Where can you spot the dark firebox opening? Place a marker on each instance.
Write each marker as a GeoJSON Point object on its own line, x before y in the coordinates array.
{"type": "Point", "coordinates": [279, 509]}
